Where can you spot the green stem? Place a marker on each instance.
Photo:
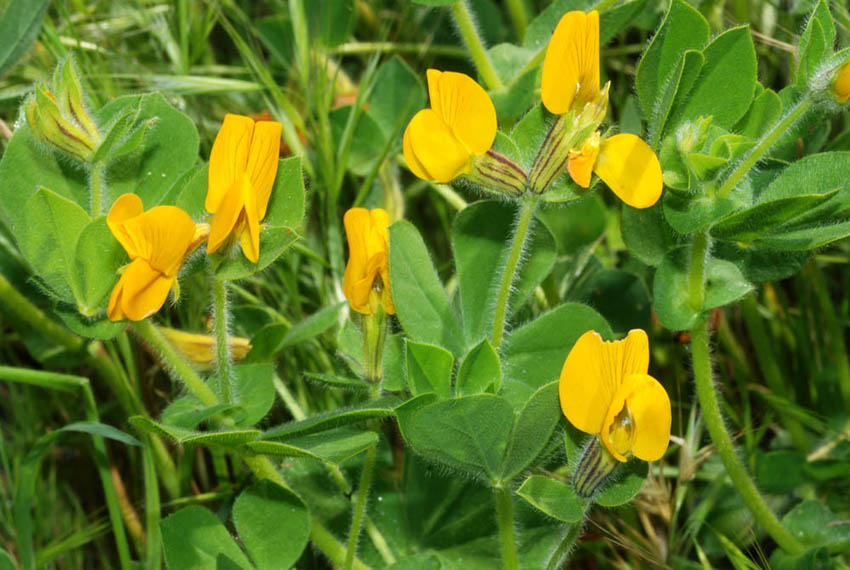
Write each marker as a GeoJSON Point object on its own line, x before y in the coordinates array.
{"type": "Point", "coordinates": [356, 48]}
{"type": "Point", "coordinates": [516, 8]}
{"type": "Point", "coordinates": [222, 344]}
{"type": "Point", "coordinates": [359, 507]}
{"type": "Point", "coordinates": [835, 331]}
{"type": "Point", "coordinates": [469, 33]}
{"type": "Point", "coordinates": [526, 213]}
{"type": "Point", "coordinates": [570, 537]}
{"type": "Point", "coordinates": [696, 275]}
{"type": "Point", "coordinates": [97, 172]}
{"type": "Point", "coordinates": [713, 419]}
{"type": "Point", "coordinates": [178, 366]}
{"type": "Point", "coordinates": [766, 142]}
{"type": "Point", "coordinates": [507, 534]}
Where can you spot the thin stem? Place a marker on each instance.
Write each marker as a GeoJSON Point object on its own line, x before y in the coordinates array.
{"type": "Point", "coordinates": [526, 213]}
{"type": "Point", "coordinates": [726, 450]}
{"type": "Point", "coordinates": [507, 533]}
{"type": "Point", "coordinates": [469, 32]}
{"type": "Point", "coordinates": [359, 507]}
{"type": "Point", "coordinates": [222, 344]}
{"type": "Point", "coordinates": [356, 48]}
{"type": "Point", "coordinates": [516, 8]}
{"type": "Point", "coordinates": [766, 142]}
{"type": "Point", "coordinates": [178, 366]}
{"type": "Point", "coordinates": [97, 172]}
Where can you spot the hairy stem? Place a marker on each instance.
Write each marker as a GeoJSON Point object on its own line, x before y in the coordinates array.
{"type": "Point", "coordinates": [466, 26]}
{"type": "Point", "coordinates": [97, 171]}
{"type": "Point", "coordinates": [507, 533]}
{"type": "Point", "coordinates": [526, 213]}
{"type": "Point", "coordinates": [222, 342]}
{"type": "Point", "coordinates": [359, 507]}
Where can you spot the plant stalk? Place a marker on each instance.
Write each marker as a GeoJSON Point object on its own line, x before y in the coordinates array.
{"type": "Point", "coordinates": [516, 8]}
{"type": "Point", "coordinates": [507, 533]}
{"type": "Point", "coordinates": [359, 507]}
{"type": "Point", "coordinates": [526, 214]}
{"type": "Point", "coordinates": [468, 31]}
{"type": "Point", "coordinates": [222, 342]}
{"type": "Point", "coordinates": [97, 171]}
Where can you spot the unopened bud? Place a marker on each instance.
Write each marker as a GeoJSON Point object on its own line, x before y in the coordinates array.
{"type": "Point", "coordinates": [199, 349]}
{"type": "Point", "coordinates": [496, 171]}
{"type": "Point", "coordinates": [841, 83]}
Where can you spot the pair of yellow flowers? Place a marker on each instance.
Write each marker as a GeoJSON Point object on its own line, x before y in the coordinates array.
{"type": "Point", "coordinates": [242, 170]}
{"type": "Point", "coordinates": [443, 142]}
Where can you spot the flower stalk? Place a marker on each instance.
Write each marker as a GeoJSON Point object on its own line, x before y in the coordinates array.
{"type": "Point", "coordinates": [222, 344]}
{"type": "Point", "coordinates": [360, 507]}
{"type": "Point", "coordinates": [507, 532]}
{"type": "Point", "coordinates": [466, 26]}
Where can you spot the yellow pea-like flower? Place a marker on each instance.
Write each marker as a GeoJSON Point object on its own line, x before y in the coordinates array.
{"type": "Point", "coordinates": [200, 349]}
{"type": "Point", "coordinates": [157, 242]}
{"type": "Point", "coordinates": [605, 390]}
{"type": "Point", "coordinates": [243, 166]}
{"type": "Point", "coordinates": [570, 88]}
{"type": "Point", "coordinates": [841, 83]}
{"type": "Point", "coordinates": [440, 142]}
{"type": "Point", "coordinates": [366, 282]}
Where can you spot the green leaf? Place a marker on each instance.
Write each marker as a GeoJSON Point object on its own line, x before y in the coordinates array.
{"type": "Point", "coordinates": [117, 131]}
{"type": "Point", "coordinates": [480, 370]}
{"type": "Point", "coordinates": [724, 284]}
{"type": "Point", "coordinates": [20, 24]}
{"type": "Point", "coordinates": [576, 224]}
{"type": "Point", "coordinates": [726, 82]}
{"type": "Point", "coordinates": [814, 524]}
{"type": "Point", "coordinates": [377, 409]}
{"type": "Point", "coordinates": [529, 132]}
{"type": "Point", "coordinates": [687, 214]}
{"type": "Point", "coordinates": [552, 498]}
{"type": "Point", "coordinates": [273, 524]}
{"type": "Point", "coordinates": [274, 242]}
{"type": "Point", "coordinates": [312, 326]}
{"type": "Point", "coordinates": [533, 429]}
{"type": "Point", "coordinates": [333, 446]}
{"type": "Point", "coordinates": [47, 231]}
{"type": "Point", "coordinates": [421, 303]}
{"type": "Point", "coordinates": [397, 95]}
{"type": "Point", "coordinates": [816, 43]}
{"type": "Point", "coordinates": [683, 29]}
{"type": "Point", "coordinates": [367, 142]}
{"type": "Point", "coordinates": [780, 471]}
{"type": "Point", "coordinates": [169, 149]}
{"type": "Point", "coordinates": [534, 354]}
{"type": "Point", "coordinates": [759, 264]}
{"type": "Point", "coordinates": [228, 439]}
{"type": "Point", "coordinates": [187, 412]}
{"type": "Point", "coordinates": [434, 2]}
{"type": "Point", "coordinates": [97, 259]}
{"type": "Point", "coordinates": [620, 297]}
{"type": "Point", "coordinates": [647, 234]}
{"type": "Point", "coordinates": [612, 20]}
{"type": "Point", "coordinates": [512, 100]}
{"type": "Point", "coordinates": [481, 237]}
{"type": "Point", "coordinates": [469, 433]}
{"type": "Point", "coordinates": [253, 391]}
{"type": "Point", "coordinates": [195, 539]}
{"type": "Point", "coordinates": [6, 561]}
{"type": "Point", "coordinates": [100, 328]}
{"type": "Point", "coordinates": [674, 92]}
{"type": "Point", "coordinates": [338, 382]}
{"type": "Point", "coordinates": [762, 114]}
{"type": "Point", "coordinates": [808, 238]}
{"type": "Point", "coordinates": [429, 369]}
{"type": "Point", "coordinates": [814, 559]}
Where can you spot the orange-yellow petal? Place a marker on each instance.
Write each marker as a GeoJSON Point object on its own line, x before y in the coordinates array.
{"type": "Point", "coordinates": [650, 407]}
{"type": "Point", "coordinates": [250, 238]}
{"type": "Point", "coordinates": [580, 163]}
{"type": "Point", "coordinates": [368, 241]}
{"type": "Point", "coordinates": [228, 158]}
{"type": "Point", "coordinates": [127, 206]}
{"type": "Point", "coordinates": [841, 84]}
{"type": "Point", "coordinates": [465, 108]}
{"type": "Point", "coordinates": [592, 375]}
{"type": "Point", "coordinates": [263, 162]}
{"type": "Point", "coordinates": [356, 222]}
{"type": "Point", "coordinates": [163, 235]}
{"type": "Point", "coordinates": [571, 66]}
{"type": "Point", "coordinates": [224, 220]}
{"type": "Point", "coordinates": [416, 167]}
{"type": "Point", "coordinates": [436, 149]}
{"type": "Point", "coordinates": [630, 168]}
{"type": "Point", "coordinates": [141, 291]}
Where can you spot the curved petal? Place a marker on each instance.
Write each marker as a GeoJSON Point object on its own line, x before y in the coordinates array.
{"type": "Point", "coordinates": [592, 375]}
{"type": "Point", "coordinates": [166, 232]}
{"type": "Point", "coordinates": [143, 290]}
{"type": "Point", "coordinates": [263, 161]}
{"type": "Point", "coordinates": [571, 66]}
{"type": "Point", "coordinates": [580, 164]}
{"type": "Point", "coordinates": [250, 238]}
{"type": "Point", "coordinates": [228, 158]}
{"type": "Point", "coordinates": [126, 207]}
{"type": "Point", "coordinates": [441, 155]}
{"type": "Point", "coordinates": [416, 167]}
{"type": "Point", "coordinates": [228, 214]}
{"type": "Point", "coordinates": [357, 222]}
{"type": "Point", "coordinates": [650, 408]}
{"type": "Point", "coordinates": [114, 310]}
{"type": "Point", "coordinates": [386, 294]}
{"type": "Point", "coordinates": [630, 168]}
{"type": "Point", "coordinates": [377, 238]}
{"type": "Point", "coordinates": [465, 108]}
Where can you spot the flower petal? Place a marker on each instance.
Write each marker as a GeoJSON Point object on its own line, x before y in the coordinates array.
{"type": "Point", "coordinates": [250, 238]}
{"type": "Point", "coordinates": [465, 108]}
{"type": "Point", "coordinates": [229, 157]}
{"type": "Point", "coordinates": [650, 408]}
{"type": "Point", "coordinates": [592, 375]}
{"type": "Point", "coordinates": [580, 164]}
{"type": "Point", "coordinates": [630, 168]}
{"type": "Point", "coordinates": [571, 66]}
{"type": "Point", "coordinates": [127, 206]}
{"type": "Point", "coordinates": [141, 291]}
{"type": "Point", "coordinates": [416, 167]}
{"type": "Point", "coordinates": [263, 161]}
{"type": "Point", "coordinates": [167, 233]}
{"type": "Point", "coordinates": [437, 150]}
{"type": "Point", "coordinates": [228, 213]}
{"type": "Point", "coordinates": [357, 222]}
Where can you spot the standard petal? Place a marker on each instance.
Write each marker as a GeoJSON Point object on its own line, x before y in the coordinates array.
{"type": "Point", "coordinates": [144, 291]}
{"type": "Point", "coordinates": [413, 163]}
{"type": "Point", "coordinates": [592, 375]}
{"type": "Point", "coordinates": [467, 110]}
{"type": "Point", "coordinates": [167, 232]}
{"type": "Point", "coordinates": [126, 207]}
{"type": "Point", "coordinates": [263, 161]}
{"type": "Point", "coordinates": [228, 158]}
{"type": "Point", "coordinates": [571, 65]}
{"type": "Point", "coordinates": [228, 214]}
{"type": "Point", "coordinates": [441, 155]}
{"type": "Point", "coordinates": [377, 237]}
{"type": "Point", "coordinates": [357, 222]}
{"type": "Point", "coordinates": [649, 405]}
{"type": "Point", "coordinates": [630, 168]}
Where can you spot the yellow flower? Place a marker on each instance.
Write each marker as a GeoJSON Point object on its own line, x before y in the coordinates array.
{"type": "Point", "coordinates": [570, 84]}
{"type": "Point", "coordinates": [366, 282]}
{"type": "Point", "coordinates": [243, 166]}
{"type": "Point", "coordinates": [157, 241]}
{"type": "Point", "coordinates": [605, 390]}
{"type": "Point", "coordinates": [199, 349]}
{"type": "Point", "coordinates": [440, 142]}
{"type": "Point", "coordinates": [841, 84]}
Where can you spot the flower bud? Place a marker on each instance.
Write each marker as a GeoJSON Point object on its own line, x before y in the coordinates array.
{"type": "Point", "coordinates": [497, 172]}
{"type": "Point", "coordinates": [199, 349]}
{"type": "Point", "coordinates": [841, 83]}
{"type": "Point", "coordinates": [58, 117]}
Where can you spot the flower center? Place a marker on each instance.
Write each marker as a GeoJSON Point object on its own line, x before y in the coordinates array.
{"type": "Point", "coordinates": [621, 435]}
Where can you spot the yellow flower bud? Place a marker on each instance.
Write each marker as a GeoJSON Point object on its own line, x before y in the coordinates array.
{"type": "Point", "coordinates": [200, 350]}
{"type": "Point", "coordinates": [841, 83]}
{"type": "Point", "coordinates": [366, 282]}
